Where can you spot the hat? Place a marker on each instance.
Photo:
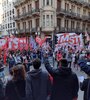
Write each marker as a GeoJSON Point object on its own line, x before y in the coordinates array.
{"type": "Point", "coordinates": [85, 67]}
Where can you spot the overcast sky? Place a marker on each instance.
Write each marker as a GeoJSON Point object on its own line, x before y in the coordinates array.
{"type": "Point", "coordinates": [0, 12]}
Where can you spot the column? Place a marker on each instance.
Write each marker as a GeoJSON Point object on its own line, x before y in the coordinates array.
{"type": "Point", "coordinates": [63, 4]}
{"type": "Point", "coordinates": [21, 25]}
{"type": "Point", "coordinates": [75, 24]}
{"type": "Point", "coordinates": [33, 23]}
{"type": "Point", "coordinates": [62, 22]}
{"type": "Point", "coordinates": [26, 5]}
{"type": "Point", "coordinates": [33, 4]}
{"type": "Point", "coordinates": [45, 2]}
{"type": "Point", "coordinates": [45, 20]}
{"type": "Point", "coordinates": [69, 23]}
{"type": "Point", "coordinates": [81, 24]}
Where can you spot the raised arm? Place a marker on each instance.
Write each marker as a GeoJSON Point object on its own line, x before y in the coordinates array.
{"type": "Point", "coordinates": [50, 69]}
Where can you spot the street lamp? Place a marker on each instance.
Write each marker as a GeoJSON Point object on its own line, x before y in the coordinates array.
{"type": "Point", "coordinates": [56, 29]}
{"type": "Point", "coordinates": [38, 31]}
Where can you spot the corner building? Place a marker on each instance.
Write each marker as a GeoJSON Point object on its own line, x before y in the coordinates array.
{"type": "Point", "coordinates": [52, 16]}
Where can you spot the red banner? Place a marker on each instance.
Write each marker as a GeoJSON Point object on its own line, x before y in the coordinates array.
{"type": "Point", "coordinates": [13, 43]}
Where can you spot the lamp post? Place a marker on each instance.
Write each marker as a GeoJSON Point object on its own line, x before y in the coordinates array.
{"type": "Point", "coordinates": [53, 42]}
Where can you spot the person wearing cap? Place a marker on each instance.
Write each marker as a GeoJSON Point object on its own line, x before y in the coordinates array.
{"type": "Point", "coordinates": [65, 82]}
{"type": "Point", "coordinates": [85, 85]}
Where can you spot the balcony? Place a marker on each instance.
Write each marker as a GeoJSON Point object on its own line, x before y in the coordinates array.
{"type": "Point", "coordinates": [68, 13]}
{"type": "Point", "coordinates": [34, 30]}
{"type": "Point", "coordinates": [35, 11]}
{"type": "Point", "coordinates": [28, 30]}
{"type": "Point", "coordinates": [17, 18]}
{"type": "Point", "coordinates": [18, 2]}
{"type": "Point", "coordinates": [27, 14]}
{"type": "Point", "coordinates": [85, 18]}
{"type": "Point", "coordinates": [81, 2]}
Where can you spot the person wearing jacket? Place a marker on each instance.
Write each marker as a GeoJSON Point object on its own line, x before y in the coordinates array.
{"type": "Point", "coordinates": [85, 85]}
{"type": "Point", "coordinates": [38, 84]}
{"type": "Point", "coordinates": [15, 88]}
{"type": "Point", "coordinates": [65, 82]}
{"type": "Point", "coordinates": [1, 90]}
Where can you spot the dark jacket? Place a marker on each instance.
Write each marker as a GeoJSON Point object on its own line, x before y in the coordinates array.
{"type": "Point", "coordinates": [84, 87]}
{"type": "Point", "coordinates": [38, 85]}
{"type": "Point", "coordinates": [1, 91]}
{"type": "Point", "coordinates": [12, 94]}
{"type": "Point", "coordinates": [65, 83]}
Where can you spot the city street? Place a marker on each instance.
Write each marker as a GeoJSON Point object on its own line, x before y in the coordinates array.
{"type": "Point", "coordinates": [78, 72]}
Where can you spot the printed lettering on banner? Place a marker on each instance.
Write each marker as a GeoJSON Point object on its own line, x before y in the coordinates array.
{"type": "Point", "coordinates": [70, 38]}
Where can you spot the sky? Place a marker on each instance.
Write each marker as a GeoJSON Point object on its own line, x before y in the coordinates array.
{"type": "Point", "coordinates": [1, 11]}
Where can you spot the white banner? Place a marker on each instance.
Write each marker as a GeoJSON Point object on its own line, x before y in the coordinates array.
{"type": "Point", "coordinates": [70, 38]}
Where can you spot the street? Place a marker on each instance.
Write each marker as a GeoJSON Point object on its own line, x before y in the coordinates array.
{"type": "Point", "coordinates": [78, 72]}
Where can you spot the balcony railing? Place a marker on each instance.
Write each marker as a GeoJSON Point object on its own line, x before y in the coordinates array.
{"type": "Point", "coordinates": [84, 17]}
{"type": "Point", "coordinates": [73, 14]}
{"type": "Point", "coordinates": [68, 13]}
{"type": "Point", "coordinates": [18, 2]}
{"type": "Point", "coordinates": [27, 14]}
{"type": "Point", "coordinates": [82, 2]}
{"type": "Point", "coordinates": [63, 29]}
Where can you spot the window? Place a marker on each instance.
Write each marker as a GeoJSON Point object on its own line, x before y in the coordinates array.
{"type": "Point", "coordinates": [13, 24]}
{"type": "Point", "coordinates": [43, 2]}
{"type": "Point", "coordinates": [47, 18]}
{"type": "Point", "coordinates": [13, 11]}
{"type": "Point", "coordinates": [84, 11]}
{"type": "Point", "coordinates": [24, 25]}
{"type": "Point", "coordinates": [67, 7]}
{"type": "Point", "coordinates": [58, 5]}
{"type": "Point", "coordinates": [83, 26]}
{"type": "Point", "coordinates": [73, 8]}
{"type": "Point", "coordinates": [18, 12]}
{"type": "Point", "coordinates": [18, 26]}
{"type": "Point", "coordinates": [78, 10]}
{"type": "Point", "coordinates": [72, 24]}
{"type": "Point", "coordinates": [66, 24]}
{"type": "Point", "coordinates": [48, 2]}
{"type": "Point", "coordinates": [8, 25]}
{"type": "Point", "coordinates": [43, 20]}
{"type": "Point", "coordinates": [59, 23]}
{"type": "Point", "coordinates": [37, 22]}
{"type": "Point", "coordinates": [10, 12]}
{"type": "Point", "coordinates": [78, 25]}
{"type": "Point", "coordinates": [23, 10]}
{"type": "Point", "coordinates": [30, 24]}
{"type": "Point", "coordinates": [51, 2]}
{"type": "Point", "coordinates": [28, 8]}
{"type": "Point", "coordinates": [37, 4]}
{"type": "Point", "coordinates": [51, 20]}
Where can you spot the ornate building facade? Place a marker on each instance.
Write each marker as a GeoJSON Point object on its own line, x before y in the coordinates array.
{"type": "Point", "coordinates": [49, 16]}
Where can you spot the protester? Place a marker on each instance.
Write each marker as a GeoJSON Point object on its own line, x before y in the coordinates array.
{"type": "Point", "coordinates": [85, 85]}
{"type": "Point", "coordinates": [1, 90]}
{"type": "Point", "coordinates": [15, 89]}
{"type": "Point", "coordinates": [58, 57]}
{"type": "Point", "coordinates": [69, 59]}
{"type": "Point", "coordinates": [65, 82]}
{"type": "Point", "coordinates": [38, 84]}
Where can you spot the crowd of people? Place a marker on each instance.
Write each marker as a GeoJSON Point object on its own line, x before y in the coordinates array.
{"type": "Point", "coordinates": [57, 83]}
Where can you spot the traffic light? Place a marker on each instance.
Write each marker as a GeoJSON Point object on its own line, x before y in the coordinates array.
{"type": "Point", "coordinates": [56, 39]}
